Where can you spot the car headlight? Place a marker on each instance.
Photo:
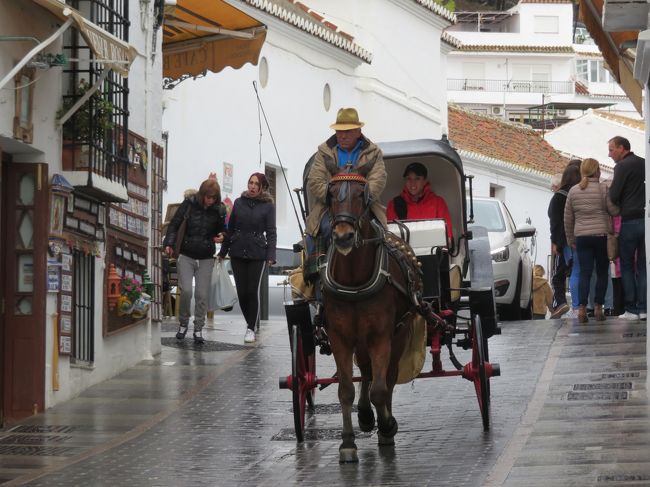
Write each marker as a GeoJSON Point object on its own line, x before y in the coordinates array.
{"type": "Point", "coordinates": [501, 254]}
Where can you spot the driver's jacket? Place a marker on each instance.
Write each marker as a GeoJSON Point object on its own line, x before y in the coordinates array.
{"type": "Point", "coordinates": [325, 166]}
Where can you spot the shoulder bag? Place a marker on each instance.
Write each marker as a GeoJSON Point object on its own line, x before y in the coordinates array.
{"type": "Point", "coordinates": [180, 234]}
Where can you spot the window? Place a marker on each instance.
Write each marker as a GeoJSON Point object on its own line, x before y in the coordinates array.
{"type": "Point", "coordinates": [531, 77]}
{"type": "Point", "coordinates": [546, 24]}
{"type": "Point", "coordinates": [592, 70]}
{"type": "Point", "coordinates": [83, 299]}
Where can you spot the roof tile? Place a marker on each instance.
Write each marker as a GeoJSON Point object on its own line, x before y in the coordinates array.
{"type": "Point", "coordinates": [506, 141]}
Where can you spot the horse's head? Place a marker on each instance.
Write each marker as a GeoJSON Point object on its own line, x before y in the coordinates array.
{"type": "Point", "coordinates": [349, 201]}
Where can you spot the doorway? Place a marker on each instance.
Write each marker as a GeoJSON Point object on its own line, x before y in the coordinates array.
{"type": "Point", "coordinates": [24, 216]}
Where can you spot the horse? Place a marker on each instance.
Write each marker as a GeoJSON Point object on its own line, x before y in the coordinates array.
{"type": "Point", "coordinates": [369, 282]}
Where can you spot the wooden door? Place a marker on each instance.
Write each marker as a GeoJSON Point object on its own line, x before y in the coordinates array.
{"type": "Point", "coordinates": [25, 216]}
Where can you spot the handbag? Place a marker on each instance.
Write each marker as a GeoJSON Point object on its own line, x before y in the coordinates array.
{"type": "Point", "coordinates": [222, 293]}
{"type": "Point", "coordinates": [180, 234]}
{"type": "Point", "coordinates": [612, 239]}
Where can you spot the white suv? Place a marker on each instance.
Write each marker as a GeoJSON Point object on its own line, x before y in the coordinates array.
{"type": "Point", "coordinates": [511, 258]}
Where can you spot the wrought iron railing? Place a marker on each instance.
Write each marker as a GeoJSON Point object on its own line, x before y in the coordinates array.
{"type": "Point", "coordinates": [512, 86]}
{"type": "Point", "coordinates": [100, 146]}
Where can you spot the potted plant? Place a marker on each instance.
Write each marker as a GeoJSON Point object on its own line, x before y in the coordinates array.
{"type": "Point", "coordinates": [89, 123]}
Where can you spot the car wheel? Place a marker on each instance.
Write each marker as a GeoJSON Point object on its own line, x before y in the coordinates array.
{"type": "Point", "coordinates": [512, 311]}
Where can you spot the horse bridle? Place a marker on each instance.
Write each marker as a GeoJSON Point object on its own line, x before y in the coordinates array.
{"type": "Point", "coordinates": [345, 193]}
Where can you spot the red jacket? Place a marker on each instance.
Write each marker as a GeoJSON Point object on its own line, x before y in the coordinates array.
{"type": "Point", "coordinates": [429, 206]}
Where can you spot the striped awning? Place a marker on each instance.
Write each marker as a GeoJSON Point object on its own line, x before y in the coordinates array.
{"type": "Point", "coordinates": [208, 35]}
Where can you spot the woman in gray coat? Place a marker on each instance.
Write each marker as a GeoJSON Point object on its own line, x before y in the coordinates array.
{"type": "Point", "coordinates": [587, 220]}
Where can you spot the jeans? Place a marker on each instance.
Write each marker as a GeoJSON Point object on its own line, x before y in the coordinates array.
{"type": "Point", "coordinates": [201, 272]}
{"type": "Point", "coordinates": [559, 280]}
{"type": "Point", "coordinates": [571, 255]}
{"type": "Point", "coordinates": [631, 249]}
{"type": "Point", "coordinates": [609, 294]}
{"type": "Point", "coordinates": [592, 249]}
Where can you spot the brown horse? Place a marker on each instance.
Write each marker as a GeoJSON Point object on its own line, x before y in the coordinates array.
{"type": "Point", "coordinates": [368, 308]}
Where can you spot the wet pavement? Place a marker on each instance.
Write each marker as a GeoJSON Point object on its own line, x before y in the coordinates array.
{"type": "Point", "coordinates": [569, 409]}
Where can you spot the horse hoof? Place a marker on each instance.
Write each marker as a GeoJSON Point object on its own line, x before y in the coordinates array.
{"type": "Point", "coordinates": [385, 440]}
{"type": "Point", "coordinates": [386, 434]}
{"type": "Point", "coordinates": [366, 420]}
{"type": "Point", "coordinates": [348, 455]}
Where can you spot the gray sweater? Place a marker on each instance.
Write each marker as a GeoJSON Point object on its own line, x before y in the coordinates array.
{"type": "Point", "coordinates": [588, 211]}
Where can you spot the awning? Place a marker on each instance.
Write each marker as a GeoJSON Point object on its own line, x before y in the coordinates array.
{"type": "Point", "coordinates": [200, 35]}
{"type": "Point", "coordinates": [113, 52]}
{"type": "Point", "coordinates": [610, 44]}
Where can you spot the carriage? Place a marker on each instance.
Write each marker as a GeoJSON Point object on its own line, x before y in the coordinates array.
{"type": "Point", "coordinates": [456, 285]}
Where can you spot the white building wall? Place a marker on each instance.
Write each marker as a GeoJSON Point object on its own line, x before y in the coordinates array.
{"type": "Point", "coordinates": [519, 186]}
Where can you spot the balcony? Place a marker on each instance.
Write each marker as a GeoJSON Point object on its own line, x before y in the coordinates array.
{"type": "Point", "coordinates": [512, 86]}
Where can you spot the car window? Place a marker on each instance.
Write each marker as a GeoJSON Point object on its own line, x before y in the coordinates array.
{"type": "Point", "coordinates": [510, 219]}
{"type": "Point", "coordinates": [488, 214]}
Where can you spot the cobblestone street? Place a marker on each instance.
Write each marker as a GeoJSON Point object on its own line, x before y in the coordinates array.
{"type": "Point", "coordinates": [569, 409]}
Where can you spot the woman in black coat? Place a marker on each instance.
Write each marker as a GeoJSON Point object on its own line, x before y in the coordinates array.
{"type": "Point", "coordinates": [204, 214]}
{"type": "Point", "coordinates": [250, 241]}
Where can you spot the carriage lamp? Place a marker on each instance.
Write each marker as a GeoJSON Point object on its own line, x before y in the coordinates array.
{"type": "Point", "coordinates": [114, 290]}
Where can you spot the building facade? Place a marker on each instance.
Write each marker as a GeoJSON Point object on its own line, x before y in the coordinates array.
{"type": "Point", "coordinates": [82, 179]}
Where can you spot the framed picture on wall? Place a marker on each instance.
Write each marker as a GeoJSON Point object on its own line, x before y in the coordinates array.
{"type": "Point", "coordinates": [66, 323]}
{"type": "Point", "coordinates": [23, 126]}
{"type": "Point", "coordinates": [57, 214]}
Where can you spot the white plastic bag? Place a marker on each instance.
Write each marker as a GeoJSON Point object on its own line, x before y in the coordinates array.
{"type": "Point", "coordinates": [222, 293]}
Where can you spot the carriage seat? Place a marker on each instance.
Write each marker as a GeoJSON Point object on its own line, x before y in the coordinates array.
{"type": "Point", "coordinates": [426, 238]}
{"type": "Point", "coordinates": [422, 235]}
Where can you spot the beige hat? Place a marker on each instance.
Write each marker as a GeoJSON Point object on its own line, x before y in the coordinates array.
{"type": "Point", "coordinates": [347, 119]}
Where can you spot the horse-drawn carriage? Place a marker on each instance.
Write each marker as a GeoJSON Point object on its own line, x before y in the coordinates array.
{"type": "Point", "coordinates": [380, 287]}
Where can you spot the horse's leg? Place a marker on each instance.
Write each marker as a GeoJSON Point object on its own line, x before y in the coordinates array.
{"type": "Point", "coordinates": [379, 393]}
{"type": "Point", "coordinates": [365, 414]}
{"type": "Point", "coordinates": [343, 357]}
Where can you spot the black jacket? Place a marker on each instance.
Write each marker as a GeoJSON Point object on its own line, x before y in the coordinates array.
{"type": "Point", "coordinates": [628, 187]}
{"type": "Point", "coordinates": [203, 225]}
{"type": "Point", "coordinates": [556, 216]}
{"type": "Point", "coordinates": [251, 229]}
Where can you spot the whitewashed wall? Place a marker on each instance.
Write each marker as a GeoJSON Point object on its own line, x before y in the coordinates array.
{"type": "Point", "coordinates": [519, 186]}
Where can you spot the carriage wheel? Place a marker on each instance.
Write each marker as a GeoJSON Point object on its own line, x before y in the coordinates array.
{"type": "Point", "coordinates": [302, 371]}
{"type": "Point", "coordinates": [481, 379]}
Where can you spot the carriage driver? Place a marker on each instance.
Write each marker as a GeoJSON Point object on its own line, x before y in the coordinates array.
{"type": "Point", "coordinates": [417, 201]}
{"type": "Point", "coordinates": [348, 150]}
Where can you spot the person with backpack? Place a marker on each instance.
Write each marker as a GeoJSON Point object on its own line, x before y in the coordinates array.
{"type": "Point", "coordinates": [417, 201]}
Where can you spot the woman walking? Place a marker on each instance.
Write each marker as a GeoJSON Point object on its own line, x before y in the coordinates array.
{"type": "Point", "coordinates": [587, 220]}
{"type": "Point", "coordinates": [204, 217]}
{"type": "Point", "coordinates": [251, 241]}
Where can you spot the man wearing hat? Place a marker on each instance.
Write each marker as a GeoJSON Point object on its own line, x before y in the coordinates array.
{"type": "Point", "coordinates": [348, 150]}
{"type": "Point", "coordinates": [417, 201]}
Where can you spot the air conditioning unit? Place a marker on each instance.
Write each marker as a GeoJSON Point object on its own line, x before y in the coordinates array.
{"type": "Point", "coordinates": [496, 110]}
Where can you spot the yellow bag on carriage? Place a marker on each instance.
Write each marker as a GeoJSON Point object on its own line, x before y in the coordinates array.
{"type": "Point", "coordinates": [412, 360]}
{"type": "Point", "coordinates": [299, 288]}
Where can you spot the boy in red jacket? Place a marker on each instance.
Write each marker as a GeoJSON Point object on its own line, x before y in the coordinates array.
{"type": "Point", "coordinates": [417, 201]}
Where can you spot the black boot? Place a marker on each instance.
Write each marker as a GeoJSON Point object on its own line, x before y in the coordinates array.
{"type": "Point", "coordinates": [198, 338]}
{"type": "Point", "coordinates": [180, 334]}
